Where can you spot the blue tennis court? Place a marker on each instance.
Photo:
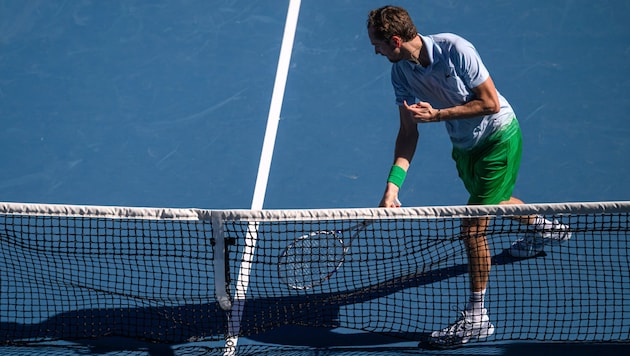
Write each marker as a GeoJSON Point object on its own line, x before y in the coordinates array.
{"type": "Point", "coordinates": [165, 104]}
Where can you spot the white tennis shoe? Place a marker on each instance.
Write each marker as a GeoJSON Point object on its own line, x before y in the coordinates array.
{"type": "Point", "coordinates": [463, 330]}
{"type": "Point", "coordinates": [534, 242]}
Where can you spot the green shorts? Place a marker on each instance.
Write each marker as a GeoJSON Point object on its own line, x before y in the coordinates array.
{"type": "Point", "coordinates": [489, 170]}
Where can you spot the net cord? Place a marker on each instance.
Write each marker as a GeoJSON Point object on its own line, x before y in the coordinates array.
{"type": "Point", "coordinates": [113, 212]}
{"type": "Point", "coordinates": [464, 211]}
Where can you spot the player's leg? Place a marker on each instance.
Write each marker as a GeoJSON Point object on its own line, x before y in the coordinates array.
{"type": "Point", "coordinates": [537, 222]}
{"type": "Point", "coordinates": [541, 232]}
{"type": "Point", "coordinates": [474, 238]}
{"type": "Point", "coordinates": [473, 322]}
{"type": "Point", "coordinates": [489, 180]}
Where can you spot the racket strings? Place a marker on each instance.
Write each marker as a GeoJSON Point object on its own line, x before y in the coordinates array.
{"type": "Point", "coordinates": [312, 259]}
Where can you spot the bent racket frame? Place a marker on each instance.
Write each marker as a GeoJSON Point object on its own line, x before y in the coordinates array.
{"type": "Point", "coordinates": [313, 258]}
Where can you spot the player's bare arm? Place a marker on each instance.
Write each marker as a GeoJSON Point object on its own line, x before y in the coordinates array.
{"type": "Point", "coordinates": [407, 139]}
{"type": "Point", "coordinates": [486, 102]}
{"type": "Point", "coordinates": [404, 151]}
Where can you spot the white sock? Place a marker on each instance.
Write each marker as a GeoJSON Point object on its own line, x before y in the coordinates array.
{"type": "Point", "coordinates": [475, 307]}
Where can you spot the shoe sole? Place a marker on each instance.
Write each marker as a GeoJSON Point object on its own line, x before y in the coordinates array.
{"type": "Point", "coordinates": [431, 343]}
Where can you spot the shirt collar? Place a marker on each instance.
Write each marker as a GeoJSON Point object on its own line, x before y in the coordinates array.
{"type": "Point", "coordinates": [428, 42]}
{"type": "Point", "coordinates": [430, 46]}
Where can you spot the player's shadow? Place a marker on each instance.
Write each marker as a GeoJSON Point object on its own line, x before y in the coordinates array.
{"type": "Point", "coordinates": [181, 324]}
{"type": "Point", "coordinates": [321, 311]}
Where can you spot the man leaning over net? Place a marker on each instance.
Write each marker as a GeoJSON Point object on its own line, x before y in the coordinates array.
{"type": "Point", "coordinates": [447, 75]}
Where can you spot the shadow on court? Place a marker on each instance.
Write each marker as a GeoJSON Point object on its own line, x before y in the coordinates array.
{"type": "Point", "coordinates": [269, 320]}
{"type": "Point", "coordinates": [341, 343]}
{"type": "Point", "coordinates": [308, 322]}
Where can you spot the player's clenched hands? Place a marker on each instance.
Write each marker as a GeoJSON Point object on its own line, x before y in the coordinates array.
{"type": "Point", "coordinates": [423, 112]}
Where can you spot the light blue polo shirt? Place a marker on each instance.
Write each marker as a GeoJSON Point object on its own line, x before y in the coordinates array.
{"type": "Point", "coordinates": [455, 69]}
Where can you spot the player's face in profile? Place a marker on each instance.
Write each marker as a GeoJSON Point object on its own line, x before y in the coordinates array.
{"type": "Point", "coordinates": [385, 48]}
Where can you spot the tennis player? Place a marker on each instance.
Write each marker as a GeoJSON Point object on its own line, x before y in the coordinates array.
{"type": "Point", "coordinates": [441, 78]}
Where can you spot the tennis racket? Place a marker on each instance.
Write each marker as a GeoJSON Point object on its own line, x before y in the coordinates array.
{"type": "Point", "coordinates": [314, 257]}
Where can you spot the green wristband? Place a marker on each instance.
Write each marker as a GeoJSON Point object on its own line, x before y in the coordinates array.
{"type": "Point", "coordinates": [397, 176]}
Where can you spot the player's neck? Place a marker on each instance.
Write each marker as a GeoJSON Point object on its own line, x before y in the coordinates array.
{"type": "Point", "coordinates": [417, 52]}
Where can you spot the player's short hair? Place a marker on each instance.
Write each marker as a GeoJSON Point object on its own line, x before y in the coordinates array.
{"type": "Point", "coordinates": [389, 21]}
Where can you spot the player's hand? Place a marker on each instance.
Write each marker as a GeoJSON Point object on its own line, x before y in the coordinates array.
{"type": "Point", "coordinates": [422, 112]}
{"type": "Point", "coordinates": [390, 202]}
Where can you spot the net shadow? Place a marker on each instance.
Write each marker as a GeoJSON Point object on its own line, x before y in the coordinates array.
{"type": "Point", "coordinates": [186, 323]}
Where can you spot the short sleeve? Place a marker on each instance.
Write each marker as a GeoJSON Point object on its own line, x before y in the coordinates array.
{"type": "Point", "coordinates": [402, 90]}
{"type": "Point", "coordinates": [468, 64]}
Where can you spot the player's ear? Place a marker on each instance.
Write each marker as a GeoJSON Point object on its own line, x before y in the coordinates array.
{"type": "Point", "coordinates": [396, 41]}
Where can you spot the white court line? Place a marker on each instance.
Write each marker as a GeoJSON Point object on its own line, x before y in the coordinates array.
{"type": "Point", "coordinates": [276, 105]}
{"type": "Point", "coordinates": [264, 167]}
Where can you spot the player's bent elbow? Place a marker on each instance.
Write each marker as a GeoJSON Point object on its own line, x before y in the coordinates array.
{"type": "Point", "coordinates": [492, 108]}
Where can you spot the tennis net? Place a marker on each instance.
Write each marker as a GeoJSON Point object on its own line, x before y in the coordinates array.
{"type": "Point", "coordinates": [182, 275]}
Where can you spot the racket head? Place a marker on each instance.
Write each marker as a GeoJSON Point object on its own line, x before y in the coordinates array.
{"type": "Point", "coordinates": [311, 259]}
